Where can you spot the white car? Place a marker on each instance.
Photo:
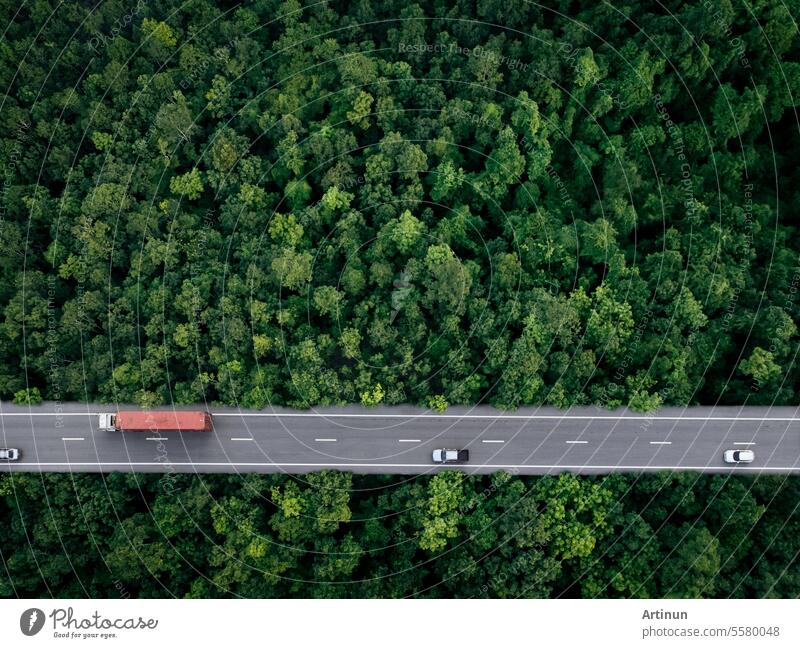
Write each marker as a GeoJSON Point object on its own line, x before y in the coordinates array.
{"type": "Point", "coordinates": [9, 454]}
{"type": "Point", "coordinates": [738, 456]}
{"type": "Point", "coordinates": [446, 455]}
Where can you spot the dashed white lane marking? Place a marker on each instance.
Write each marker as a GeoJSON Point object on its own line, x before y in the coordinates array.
{"type": "Point", "coordinates": [72, 439]}
{"type": "Point", "coordinates": [156, 439]}
{"type": "Point", "coordinates": [493, 441]}
{"type": "Point", "coordinates": [325, 440]}
{"type": "Point", "coordinates": [577, 442]}
{"type": "Point", "coordinates": [409, 441]}
{"type": "Point", "coordinates": [241, 438]}
{"type": "Point", "coordinates": [661, 443]}
{"type": "Point", "coordinates": [744, 443]}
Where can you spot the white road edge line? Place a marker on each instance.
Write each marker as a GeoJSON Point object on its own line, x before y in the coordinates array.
{"type": "Point", "coordinates": [615, 467]}
{"type": "Point", "coordinates": [73, 439]}
{"type": "Point", "coordinates": [661, 443]}
{"type": "Point", "coordinates": [510, 417]}
{"type": "Point", "coordinates": [577, 442]}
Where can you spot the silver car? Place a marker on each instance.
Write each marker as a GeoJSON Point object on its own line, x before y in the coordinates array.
{"type": "Point", "coordinates": [9, 454]}
{"type": "Point", "coordinates": [738, 456]}
{"type": "Point", "coordinates": [446, 455]}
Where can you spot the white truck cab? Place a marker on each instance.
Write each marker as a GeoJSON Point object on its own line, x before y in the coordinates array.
{"type": "Point", "coordinates": [107, 422]}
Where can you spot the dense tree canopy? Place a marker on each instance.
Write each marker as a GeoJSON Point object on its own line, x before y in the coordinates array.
{"type": "Point", "coordinates": [495, 201]}
{"type": "Point", "coordinates": [334, 534]}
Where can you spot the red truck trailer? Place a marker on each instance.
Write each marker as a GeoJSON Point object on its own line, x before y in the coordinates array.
{"type": "Point", "coordinates": [161, 421]}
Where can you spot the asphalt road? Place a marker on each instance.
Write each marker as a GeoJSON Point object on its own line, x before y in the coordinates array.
{"type": "Point", "coordinates": [64, 438]}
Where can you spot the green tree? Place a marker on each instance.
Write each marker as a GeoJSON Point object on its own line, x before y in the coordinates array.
{"type": "Point", "coordinates": [30, 396]}
{"type": "Point", "coordinates": [372, 397]}
{"type": "Point", "coordinates": [188, 185]}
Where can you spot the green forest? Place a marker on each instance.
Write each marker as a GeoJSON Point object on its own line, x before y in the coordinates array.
{"type": "Point", "coordinates": [271, 204]}
{"type": "Point", "coordinates": [332, 534]}
{"type": "Point", "coordinates": [277, 202]}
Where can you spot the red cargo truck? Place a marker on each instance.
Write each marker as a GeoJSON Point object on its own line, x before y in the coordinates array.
{"type": "Point", "coordinates": [162, 421]}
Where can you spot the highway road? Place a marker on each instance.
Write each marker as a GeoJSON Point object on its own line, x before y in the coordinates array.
{"type": "Point", "coordinates": [64, 438]}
